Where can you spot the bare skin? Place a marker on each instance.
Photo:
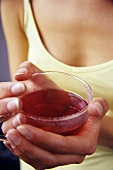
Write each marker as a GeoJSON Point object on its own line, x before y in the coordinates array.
{"type": "Point", "coordinates": [82, 29]}
{"type": "Point", "coordinates": [74, 32]}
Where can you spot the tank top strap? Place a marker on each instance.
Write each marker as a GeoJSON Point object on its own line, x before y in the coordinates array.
{"type": "Point", "coordinates": [26, 2]}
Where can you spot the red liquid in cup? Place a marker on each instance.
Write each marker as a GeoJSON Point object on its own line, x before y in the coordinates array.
{"type": "Point", "coordinates": [51, 105]}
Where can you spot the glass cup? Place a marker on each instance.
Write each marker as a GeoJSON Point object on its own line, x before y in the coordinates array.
{"type": "Point", "coordinates": [57, 102]}
{"type": "Point", "coordinates": [60, 105]}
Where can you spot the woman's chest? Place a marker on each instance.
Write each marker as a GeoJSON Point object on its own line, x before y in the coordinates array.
{"type": "Point", "coordinates": [74, 33]}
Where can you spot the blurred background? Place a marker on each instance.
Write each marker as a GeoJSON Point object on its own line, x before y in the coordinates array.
{"type": "Point", "coordinates": [4, 67]}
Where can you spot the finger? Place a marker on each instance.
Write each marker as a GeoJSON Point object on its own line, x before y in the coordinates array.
{"type": "Point", "coordinates": [28, 151]}
{"type": "Point", "coordinates": [17, 152]}
{"type": "Point", "coordinates": [39, 158]}
{"type": "Point", "coordinates": [98, 107]}
{"type": "Point", "coordinates": [10, 105]}
{"type": "Point", "coordinates": [13, 122]}
{"type": "Point", "coordinates": [26, 70]}
{"type": "Point", "coordinates": [57, 143]}
{"type": "Point", "coordinates": [9, 89]}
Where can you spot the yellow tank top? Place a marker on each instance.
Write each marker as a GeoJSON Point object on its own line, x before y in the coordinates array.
{"type": "Point", "coordinates": [99, 77]}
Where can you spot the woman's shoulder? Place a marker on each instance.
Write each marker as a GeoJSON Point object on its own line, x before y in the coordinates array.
{"type": "Point", "coordinates": [12, 4]}
{"type": "Point", "coordinates": [12, 10]}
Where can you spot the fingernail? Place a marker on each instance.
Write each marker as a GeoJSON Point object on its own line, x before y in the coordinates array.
{"type": "Point", "coordinates": [99, 107]}
{"type": "Point", "coordinates": [24, 132]}
{"type": "Point", "coordinates": [21, 71]}
{"type": "Point", "coordinates": [11, 142]}
{"type": "Point", "coordinates": [18, 120]}
{"type": "Point", "coordinates": [18, 88]}
{"type": "Point", "coordinates": [13, 105]}
{"type": "Point", "coordinates": [13, 138]}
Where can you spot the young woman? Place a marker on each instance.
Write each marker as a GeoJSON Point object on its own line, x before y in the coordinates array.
{"type": "Point", "coordinates": [70, 36]}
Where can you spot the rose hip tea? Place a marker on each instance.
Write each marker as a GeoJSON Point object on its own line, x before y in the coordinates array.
{"type": "Point", "coordinates": [55, 110]}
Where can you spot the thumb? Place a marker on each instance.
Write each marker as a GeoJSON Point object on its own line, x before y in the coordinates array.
{"type": "Point", "coordinates": [98, 107]}
{"type": "Point", "coordinates": [25, 71]}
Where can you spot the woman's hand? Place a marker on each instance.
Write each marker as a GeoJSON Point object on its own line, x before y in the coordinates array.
{"type": "Point", "coordinates": [44, 150]}
{"type": "Point", "coordinates": [11, 92]}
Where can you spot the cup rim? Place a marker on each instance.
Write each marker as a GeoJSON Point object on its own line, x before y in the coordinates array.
{"type": "Point", "coordinates": [61, 118]}
{"type": "Point", "coordinates": [68, 74]}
